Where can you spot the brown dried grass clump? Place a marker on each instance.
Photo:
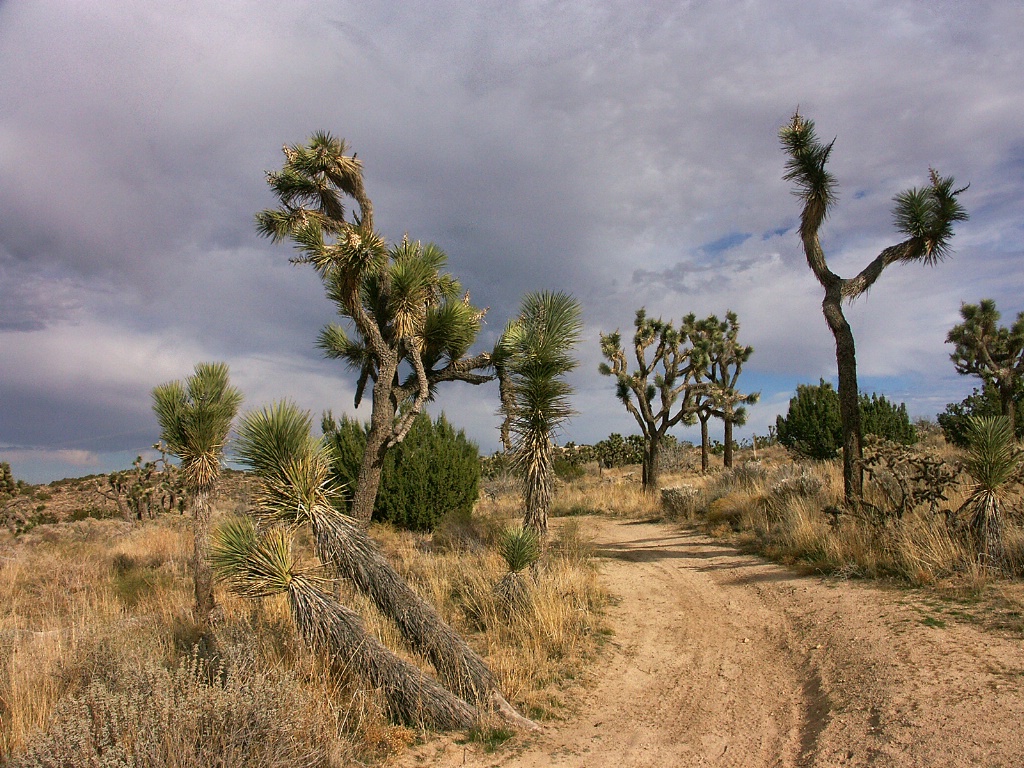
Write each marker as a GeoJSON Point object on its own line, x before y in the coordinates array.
{"type": "Point", "coordinates": [95, 624]}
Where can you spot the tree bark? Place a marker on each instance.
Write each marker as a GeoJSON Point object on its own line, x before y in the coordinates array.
{"type": "Point", "coordinates": [849, 407]}
{"type": "Point", "coordinates": [537, 491]}
{"type": "Point", "coordinates": [348, 547]}
{"type": "Point", "coordinates": [1007, 405]}
{"type": "Point", "coordinates": [727, 418]}
{"type": "Point", "coordinates": [382, 424]}
{"type": "Point", "coordinates": [202, 572]}
{"type": "Point", "coordinates": [705, 443]}
{"type": "Point", "coordinates": [652, 463]}
{"type": "Point", "coordinates": [411, 696]}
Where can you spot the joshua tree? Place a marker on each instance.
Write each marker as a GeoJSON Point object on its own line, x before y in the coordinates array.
{"type": "Point", "coordinates": [296, 489]}
{"type": "Point", "coordinates": [259, 564]}
{"type": "Point", "coordinates": [675, 368]}
{"type": "Point", "coordinates": [532, 357]}
{"type": "Point", "coordinates": [195, 417]}
{"type": "Point", "coordinates": [719, 340]}
{"type": "Point", "coordinates": [398, 303]}
{"type": "Point", "coordinates": [993, 461]}
{"type": "Point", "coordinates": [925, 215]}
{"type": "Point", "coordinates": [992, 353]}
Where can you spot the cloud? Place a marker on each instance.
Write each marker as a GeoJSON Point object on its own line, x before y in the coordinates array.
{"type": "Point", "coordinates": [627, 154]}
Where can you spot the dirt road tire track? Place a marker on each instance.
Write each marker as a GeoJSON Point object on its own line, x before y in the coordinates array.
{"type": "Point", "coordinates": [722, 659]}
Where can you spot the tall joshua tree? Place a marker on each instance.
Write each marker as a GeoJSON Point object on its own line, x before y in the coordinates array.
{"type": "Point", "coordinates": [993, 353]}
{"type": "Point", "coordinates": [671, 398]}
{"type": "Point", "coordinates": [195, 417]}
{"type": "Point", "coordinates": [397, 303]}
{"type": "Point", "coordinates": [532, 358]}
{"type": "Point", "coordinates": [296, 488]}
{"type": "Point", "coordinates": [719, 340]}
{"type": "Point", "coordinates": [925, 215]}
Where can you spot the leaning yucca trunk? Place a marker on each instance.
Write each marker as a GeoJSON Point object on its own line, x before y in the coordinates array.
{"type": "Point", "coordinates": [411, 696]}
{"type": "Point", "coordinates": [201, 570]}
{"type": "Point", "coordinates": [538, 465]}
{"type": "Point", "coordinates": [347, 547]}
{"type": "Point", "coordinates": [987, 528]}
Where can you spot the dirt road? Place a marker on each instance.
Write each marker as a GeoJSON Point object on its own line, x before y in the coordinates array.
{"type": "Point", "coordinates": [721, 659]}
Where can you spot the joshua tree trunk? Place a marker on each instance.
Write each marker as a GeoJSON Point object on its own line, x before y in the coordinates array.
{"type": "Point", "coordinates": [1007, 405]}
{"type": "Point", "coordinates": [652, 463]}
{"type": "Point", "coordinates": [378, 440]}
{"type": "Point", "coordinates": [201, 569]}
{"type": "Point", "coordinates": [849, 410]}
{"type": "Point", "coordinates": [412, 697]}
{"type": "Point", "coordinates": [727, 418]}
{"type": "Point", "coordinates": [705, 441]}
{"type": "Point", "coordinates": [349, 549]}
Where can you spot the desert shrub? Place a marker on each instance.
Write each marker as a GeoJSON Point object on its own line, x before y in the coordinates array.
{"type": "Point", "coordinates": [433, 472]}
{"type": "Point", "coordinates": [683, 501]}
{"type": "Point", "coordinates": [568, 468]}
{"type": "Point", "coordinates": [618, 451]}
{"type": "Point", "coordinates": [955, 420]}
{"type": "Point", "coordinates": [230, 714]}
{"type": "Point", "coordinates": [813, 428]}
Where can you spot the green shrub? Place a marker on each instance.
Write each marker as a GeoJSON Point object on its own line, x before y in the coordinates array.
{"type": "Point", "coordinates": [433, 472]}
{"type": "Point", "coordinates": [813, 427]}
{"type": "Point", "coordinates": [955, 420]}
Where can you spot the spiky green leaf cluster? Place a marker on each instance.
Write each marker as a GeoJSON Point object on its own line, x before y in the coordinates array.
{"type": "Point", "coordinates": [195, 418]}
{"type": "Point", "coordinates": [275, 443]}
{"type": "Point", "coordinates": [519, 547]}
{"type": "Point", "coordinates": [993, 457]}
{"type": "Point", "coordinates": [255, 563]}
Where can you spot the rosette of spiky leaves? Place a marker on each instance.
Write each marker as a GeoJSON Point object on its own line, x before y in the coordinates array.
{"type": "Point", "coordinates": [294, 468]}
{"type": "Point", "coordinates": [259, 564]}
{"type": "Point", "coordinates": [520, 548]}
{"type": "Point", "coordinates": [195, 418]}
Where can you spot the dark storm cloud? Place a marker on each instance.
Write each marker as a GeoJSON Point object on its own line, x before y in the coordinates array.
{"type": "Point", "coordinates": [620, 152]}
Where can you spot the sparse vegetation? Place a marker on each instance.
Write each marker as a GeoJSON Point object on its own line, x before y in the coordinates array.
{"type": "Point", "coordinates": [98, 646]}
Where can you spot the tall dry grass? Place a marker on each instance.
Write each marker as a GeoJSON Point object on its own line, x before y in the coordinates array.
{"type": "Point", "coordinates": [793, 512]}
{"type": "Point", "coordinates": [98, 651]}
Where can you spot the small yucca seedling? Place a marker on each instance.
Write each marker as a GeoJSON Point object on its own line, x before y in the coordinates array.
{"type": "Point", "coordinates": [520, 547]}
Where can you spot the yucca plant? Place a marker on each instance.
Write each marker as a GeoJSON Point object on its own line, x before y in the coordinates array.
{"type": "Point", "coordinates": [297, 489]}
{"type": "Point", "coordinates": [195, 418]}
{"type": "Point", "coordinates": [259, 564]}
{"type": "Point", "coordinates": [993, 461]}
{"type": "Point", "coordinates": [520, 548]}
{"type": "Point", "coordinates": [532, 358]}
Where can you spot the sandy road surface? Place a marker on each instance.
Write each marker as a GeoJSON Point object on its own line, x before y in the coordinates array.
{"type": "Point", "coordinates": [721, 659]}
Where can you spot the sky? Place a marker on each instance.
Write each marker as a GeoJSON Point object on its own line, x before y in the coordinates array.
{"type": "Point", "coordinates": [626, 153]}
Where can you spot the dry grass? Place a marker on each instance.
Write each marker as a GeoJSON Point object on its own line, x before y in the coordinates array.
{"type": "Point", "coordinates": [95, 628]}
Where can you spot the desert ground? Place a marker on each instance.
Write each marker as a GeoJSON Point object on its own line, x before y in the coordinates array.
{"type": "Point", "coordinates": [719, 658]}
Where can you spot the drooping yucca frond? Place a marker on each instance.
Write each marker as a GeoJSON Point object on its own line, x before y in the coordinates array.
{"type": "Point", "coordinates": [255, 563]}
